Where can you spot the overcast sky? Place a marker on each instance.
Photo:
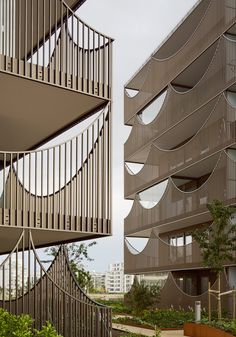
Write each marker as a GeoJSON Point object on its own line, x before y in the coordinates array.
{"type": "Point", "coordinates": [138, 27]}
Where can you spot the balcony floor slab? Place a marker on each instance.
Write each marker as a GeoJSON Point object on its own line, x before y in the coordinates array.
{"type": "Point", "coordinates": [33, 112]}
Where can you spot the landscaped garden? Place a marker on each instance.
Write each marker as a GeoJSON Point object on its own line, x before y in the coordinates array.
{"type": "Point", "coordinates": [161, 318]}
{"type": "Point", "coordinates": [140, 309]}
{"type": "Point", "coordinates": [22, 326]}
{"type": "Point", "coordinates": [164, 319]}
{"type": "Point", "coordinates": [217, 244]}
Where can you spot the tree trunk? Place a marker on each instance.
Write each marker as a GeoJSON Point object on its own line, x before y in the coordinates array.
{"type": "Point", "coordinates": [219, 298]}
{"type": "Point", "coordinates": [209, 301]}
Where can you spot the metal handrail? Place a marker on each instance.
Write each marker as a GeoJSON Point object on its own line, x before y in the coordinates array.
{"type": "Point", "coordinates": [64, 187]}
{"type": "Point", "coordinates": [47, 41]}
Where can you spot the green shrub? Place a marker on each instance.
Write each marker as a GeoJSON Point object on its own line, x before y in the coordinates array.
{"type": "Point", "coordinates": [18, 326]}
{"type": "Point", "coordinates": [135, 321]}
{"type": "Point", "coordinates": [118, 306]}
{"type": "Point", "coordinates": [168, 318]}
{"type": "Point", "coordinates": [48, 330]}
{"type": "Point", "coordinates": [22, 326]}
{"type": "Point", "coordinates": [165, 318]}
{"type": "Point", "coordinates": [227, 325]}
{"type": "Point", "coordinates": [142, 296]}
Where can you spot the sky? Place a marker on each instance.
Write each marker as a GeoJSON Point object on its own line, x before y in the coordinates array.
{"type": "Point", "coordinates": [138, 27]}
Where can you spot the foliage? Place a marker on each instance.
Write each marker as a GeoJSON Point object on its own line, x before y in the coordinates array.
{"type": "Point", "coordinates": [48, 330]}
{"type": "Point", "coordinates": [168, 318]}
{"type": "Point", "coordinates": [131, 334]}
{"type": "Point", "coordinates": [22, 326]}
{"type": "Point", "coordinates": [11, 325]}
{"type": "Point", "coordinates": [225, 325]}
{"type": "Point", "coordinates": [100, 290]}
{"type": "Point", "coordinates": [142, 296]}
{"type": "Point", "coordinates": [161, 318]}
{"type": "Point", "coordinates": [133, 321]}
{"type": "Point", "coordinates": [118, 306]}
{"type": "Point", "coordinates": [217, 242]}
{"type": "Point", "coordinates": [157, 332]}
{"type": "Point", "coordinates": [77, 254]}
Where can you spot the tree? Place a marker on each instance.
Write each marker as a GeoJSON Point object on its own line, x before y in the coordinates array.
{"type": "Point", "coordinates": [217, 242]}
{"type": "Point", "coordinates": [142, 296]}
{"type": "Point", "coordinates": [77, 254]}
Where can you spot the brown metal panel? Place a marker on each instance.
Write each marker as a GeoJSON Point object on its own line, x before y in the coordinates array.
{"type": "Point", "coordinates": [209, 139]}
{"type": "Point", "coordinates": [177, 206]}
{"type": "Point", "coordinates": [186, 103]}
{"type": "Point", "coordinates": [216, 20]}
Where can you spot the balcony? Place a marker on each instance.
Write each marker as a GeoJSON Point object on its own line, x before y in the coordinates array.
{"type": "Point", "coordinates": [55, 66]}
{"type": "Point", "coordinates": [62, 191]}
{"type": "Point", "coordinates": [214, 19]}
{"type": "Point", "coordinates": [159, 255]}
{"type": "Point", "coordinates": [219, 76]}
{"type": "Point", "coordinates": [183, 285]}
{"type": "Point", "coordinates": [215, 133]}
{"type": "Point", "coordinates": [175, 207]}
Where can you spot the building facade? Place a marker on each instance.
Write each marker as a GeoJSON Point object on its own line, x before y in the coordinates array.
{"type": "Point", "coordinates": [98, 281]}
{"type": "Point", "coordinates": [180, 154]}
{"type": "Point", "coordinates": [55, 72]}
{"type": "Point", "coordinates": [116, 281]}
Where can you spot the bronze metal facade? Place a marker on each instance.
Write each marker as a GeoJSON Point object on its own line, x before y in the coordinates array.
{"type": "Point", "coordinates": [49, 295]}
{"type": "Point", "coordinates": [55, 71]}
{"type": "Point", "coordinates": [181, 109]}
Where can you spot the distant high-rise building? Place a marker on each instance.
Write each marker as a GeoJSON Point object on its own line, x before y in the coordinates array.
{"type": "Point", "coordinates": [116, 281]}
{"type": "Point", "coordinates": [98, 280]}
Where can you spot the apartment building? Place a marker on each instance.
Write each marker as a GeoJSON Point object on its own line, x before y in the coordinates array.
{"type": "Point", "coordinates": [55, 72]}
{"type": "Point", "coordinates": [180, 154]}
{"type": "Point", "coordinates": [98, 280]}
{"type": "Point", "coordinates": [116, 281]}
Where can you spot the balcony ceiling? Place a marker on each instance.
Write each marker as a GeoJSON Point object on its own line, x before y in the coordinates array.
{"type": "Point", "coordinates": [42, 238]}
{"type": "Point", "coordinates": [232, 30]}
{"type": "Point", "coordinates": [33, 112]}
{"type": "Point", "coordinates": [195, 71]}
{"type": "Point", "coordinates": [171, 226]}
{"type": "Point", "coordinates": [201, 168]}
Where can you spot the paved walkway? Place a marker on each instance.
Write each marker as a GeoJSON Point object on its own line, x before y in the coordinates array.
{"type": "Point", "coordinates": [147, 332]}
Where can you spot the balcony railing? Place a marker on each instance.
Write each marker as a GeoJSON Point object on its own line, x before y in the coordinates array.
{"type": "Point", "coordinates": [217, 132]}
{"type": "Point", "coordinates": [218, 17]}
{"type": "Point", "coordinates": [65, 187]}
{"type": "Point", "coordinates": [175, 205]}
{"type": "Point", "coordinates": [49, 295]}
{"type": "Point", "coordinates": [47, 41]}
{"type": "Point", "coordinates": [174, 296]}
{"type": "Point", "coordinates": [142, 135]}
{"type": "Point", "coordinates": [158, 255]}
{"type": "Point", "coordinates": [219, 76]}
